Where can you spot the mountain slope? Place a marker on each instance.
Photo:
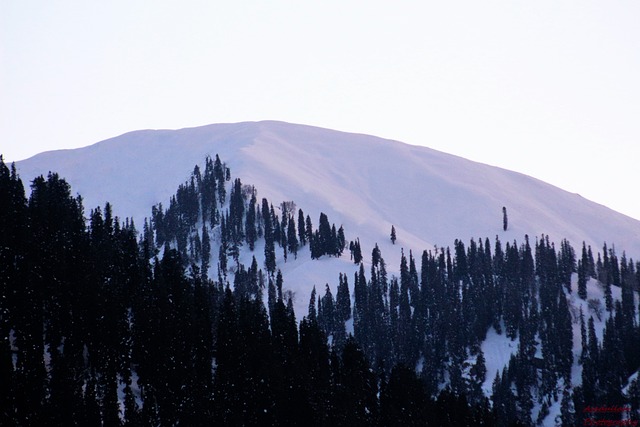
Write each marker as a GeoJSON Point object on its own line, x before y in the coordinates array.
{"type": "Point", "coordinates": [363, 182]}
{"type": "Point", "coordinates": [368, 184]}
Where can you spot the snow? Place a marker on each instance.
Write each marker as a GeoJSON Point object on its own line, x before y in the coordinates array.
{"type": "Point", "coordinates": [364, 183]}
{"type": "Point", "coordinates": [497, 349]}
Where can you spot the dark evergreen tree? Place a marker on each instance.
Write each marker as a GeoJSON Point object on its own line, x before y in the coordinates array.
{"type": "Point", "coordinates": [206, 252]}
{"type": "Point", "coordinates": [269, 237]}
{"type": "Point", "coordinates": [566, 264]}
{"type": "Point", "coordinates": [13, 229]}
{"type": "Point", "coordinates": [325, 241]}
{"type": "Point", "coordinates": [220, 176]}
{"type": "Point", "coordinates": [583, 272]}
{"type": "Point", "coordinates": [343, 299]}
{"type": "Point", "coordinates": [292, 240]}
{"type": "Point", "coordinates": [208, 192]}
{"type": "Point", "coordinates": [360, 308]}
{"type": "Point", "coordinates": [356, 400]}
{"type": "Point", "coordinates": [269, 253]}
{"type": "Point", "coordinates": [505, 220]}
{"type": "Point", "coordinates": [302, 233]}
{"type": "Point", "coordinates": [356, 251]}
{"type": "Point", "coordinates": [328, 308]}
{"type": "Point", "coordinates": [341, 241]}
{"type": "Point", "coordinates": [582, 280]}
{"type": "Point", "coordinates": [403, 401]}
{"type": "Point", "coordinates": [312, 315]}
{"type": "Point", "coordinates": [251, 233]}
{"type": "Point", "coordinates": [308, 227]}
{"type": "Point", "coordinates": [478, 373]}
{"type": "Point", "coordinates": [314, 364]}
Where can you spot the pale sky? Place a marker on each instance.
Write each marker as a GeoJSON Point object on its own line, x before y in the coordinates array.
{"type": "Point", "coordinates": [548, 88]}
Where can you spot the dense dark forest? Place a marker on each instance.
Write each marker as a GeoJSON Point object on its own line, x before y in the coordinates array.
{"type": "Point", "coordinates": [104, 325]}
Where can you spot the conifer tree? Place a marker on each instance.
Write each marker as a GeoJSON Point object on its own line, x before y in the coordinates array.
{"type": "Point", "coordinates": [478, 373]}
{"type": "Point", "coordinates": [328, 323]}
{"type": "Point", "coordinates": [403, 401]}
{"type": "Point", "coordinates": [292, 239]}
{"type": "Point", "coordinates": [271, 298]}
{"type": "Point", "coordinates": [357, 394]}
{"type": "Point", "coordinates": [312, 314]}
{"type": "Point", "coordinates": [341, 242]}
{"type": "Point", "coordinates": [308, 227]}
{"type": "Point", "coordinates": [325, 241]}
{"type": "Point", "coordinates": [505, 221]}
{"type": "Point", "coordinates": [269, 254]}
{"type": "Point", "coordinates": [361, 325]}
{"type": "Point", "coordinates": [220, 176]}
{"type": "Point", "coordinates": [582, 280]}
{"type": "Point", "coordinates": [302, 233]}
{"type": "Point", "coordinates": [343, 299]}
{"type": "Point", "coordinates": [251, 234]}
{"type": "Point", "coordinates": [206, 251]}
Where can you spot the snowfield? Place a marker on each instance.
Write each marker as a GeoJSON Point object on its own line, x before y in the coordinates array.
{"type": "Point", "coordinates": [363, 182]}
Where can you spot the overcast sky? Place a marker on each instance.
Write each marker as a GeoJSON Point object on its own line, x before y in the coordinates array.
{"type": "Point", "coordinates": [547, 88]}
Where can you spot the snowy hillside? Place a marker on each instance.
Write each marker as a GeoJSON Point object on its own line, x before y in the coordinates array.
{"type": "Point", "coordinates": [363, 182]}
{"type": "Point", "coordinates": [518, 314]}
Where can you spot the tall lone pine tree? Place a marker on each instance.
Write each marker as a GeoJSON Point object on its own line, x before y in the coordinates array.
{"type": "Point", "coordinates": [505, 221]}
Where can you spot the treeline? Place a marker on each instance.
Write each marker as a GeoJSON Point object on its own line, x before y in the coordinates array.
{"type": "Point", "coordinates": [200, 214]}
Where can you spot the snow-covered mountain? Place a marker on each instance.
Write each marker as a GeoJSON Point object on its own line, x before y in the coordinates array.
{"type": "Point", "coordinates": [363, 182]}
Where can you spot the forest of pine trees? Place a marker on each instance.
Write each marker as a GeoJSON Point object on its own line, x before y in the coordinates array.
{"type": "Point", "coordinates": [104, 325]}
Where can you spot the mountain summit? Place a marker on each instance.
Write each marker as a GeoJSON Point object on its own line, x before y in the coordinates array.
{"type": "Point", "coordinates": [364, 182]}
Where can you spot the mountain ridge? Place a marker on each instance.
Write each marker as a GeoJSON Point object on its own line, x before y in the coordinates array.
{"type": "Point", "coordinates": [368, 183]}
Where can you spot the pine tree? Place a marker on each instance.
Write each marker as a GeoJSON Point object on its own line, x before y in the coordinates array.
{"type": "Point", "coordinates": [478, 373]}
{"type": "Point", "coordinates": [393, 235]}
{"type": "Point", "coordinates": [341, 242]}
{"type": "Point", "coordinates": [292, 239]}
{"type": "Point", "coordinates": [582, 280]}
{"type": "Point", "coordinates": [308, 227]}
{"type": "Point", "coordinates": [271, 298]}
{"type": "Point", "coordinates": [269, 253]}
{"type": "Point", "coordinates": [343, 300]}
{"type": "Point", "coordinates": [357, 395]}
{"type": "Point", "coordinates": [583, 273]}
{"type": "Point", "coordinates": [302, 233]}
{"type": "Point", "coordinates": [403, 402]}
{"type": "Point", "coordinates": [13, 226]}
{"type": "Point", "coordinates": [356, 251]}
{"type": "Point", "coordinates": [325, 242]}
{"type": "Point", "coordinates": [567, 410]}
{"type": "Point", "coordinates": [361, 320]}
{"type": "Point", "coordinates": [327, 305]}
{"type": "Point", "coordinates": [312, 314]}
{"type": "Point", "coordinates": [206, 252]}
{"type": "Point", "coordinates": [583, 338]}
{"type": "Point", "coordinates": [505, 221]}
{"type": "Point", "coordinates": [219, 173]}
{"type": "Point", "coordinates": [251, 234]}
